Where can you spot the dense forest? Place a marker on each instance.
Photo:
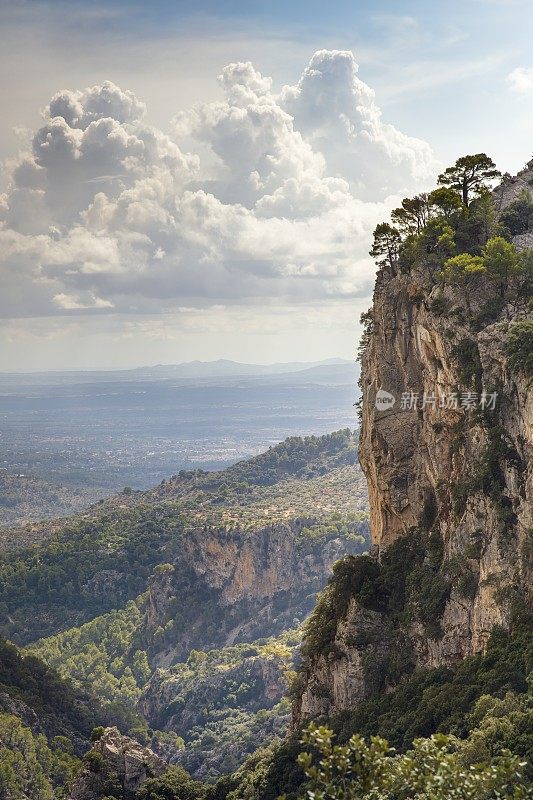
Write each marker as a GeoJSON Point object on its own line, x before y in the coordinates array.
{"type": "Point", "coordinates": [97, 586]}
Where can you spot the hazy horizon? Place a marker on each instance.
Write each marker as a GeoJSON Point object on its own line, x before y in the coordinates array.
{"type": "Point", "coordinates": [332, 360]}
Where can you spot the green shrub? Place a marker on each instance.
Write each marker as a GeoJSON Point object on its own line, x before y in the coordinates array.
{"type": "Point", "coordinates": [520, 348]}
{"type": "Point", "coordinates": [434, 768]}
{"type": "Point", "coordinates": [518, 216]}
{"type": "Point", "coordinates": [97, 733]}
{"type": "Point", "coordinates": [470, 371]}
{"type": "Point", "coordinates": [173, 784]}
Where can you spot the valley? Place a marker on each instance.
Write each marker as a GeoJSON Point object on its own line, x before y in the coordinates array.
{"type": "Point", "coordinates": [185, 611]}
{"type": "Point", "coordinates": [343, 615]}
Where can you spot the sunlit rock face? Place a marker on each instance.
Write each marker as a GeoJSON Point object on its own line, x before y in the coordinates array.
{"type": "Point", "coordinates": [449, 459]}
{"type": "Point", "coordinates": [118, 759]}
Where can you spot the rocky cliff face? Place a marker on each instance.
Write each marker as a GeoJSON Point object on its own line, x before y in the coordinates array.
{"type": "Point", "coordinates": [467, 472]}
{"type": "Point", "coordinates": [239, 584]}
{"type": "Point", "coordinates": [442, 464]}
{"type": "Point", "coordinates": [115, 766]}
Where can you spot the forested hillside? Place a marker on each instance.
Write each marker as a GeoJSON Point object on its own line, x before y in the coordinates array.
{"type": "Point", "coordinates": [21, 495]}
{"type": "Point", "coordinates": [100, 560]}
{"type": "Point", "coordinates": [160, 606]}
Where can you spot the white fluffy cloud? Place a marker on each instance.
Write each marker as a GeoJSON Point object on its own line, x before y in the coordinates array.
{"type": "Point", "coordinates": [107, 214]}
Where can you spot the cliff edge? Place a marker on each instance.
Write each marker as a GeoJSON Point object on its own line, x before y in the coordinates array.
{"type": "Point", "coordinates": [447, 449]}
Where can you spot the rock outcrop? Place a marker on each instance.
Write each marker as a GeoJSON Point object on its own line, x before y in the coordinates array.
{"type": "Point", "coordinates": [465, 472]}
{"type": "Point", "coordinates": [265, 677]}
{"type": "Point", "coordinates": [448, 455]}
{"type": "Point", "coordinates": [240, 585]}
{"type": "Point", "coordinates": [115, 763]}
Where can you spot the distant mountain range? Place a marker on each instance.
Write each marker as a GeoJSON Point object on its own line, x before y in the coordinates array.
{"type": "Point", "coordinates": [199, 370]}
{"type": "Point", "coordinates": [224, 367]}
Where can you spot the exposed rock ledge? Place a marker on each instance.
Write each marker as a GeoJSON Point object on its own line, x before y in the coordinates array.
{"type": "Point", "coordinates": [115, 761]}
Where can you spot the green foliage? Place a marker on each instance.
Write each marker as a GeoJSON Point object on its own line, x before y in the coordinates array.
{"type": "Point", "coordinates": [445, 201]}
{"type": "Point", "coordinates": [441, 699]}
{"type": "Point", "coordinates": [268, 773]}
{"type": "Point", "coordinates": [501, 722]}
{"type": "Point", "coordinates": [518, 216]}
{"type": "Point", "coordinates": [44, 586]}
{"type": "Point", "coordinates": [413, 214]}
{"type": "Point", "coordinates": [100, 655]}
{"type": "Point", "coordinates": [469, 176]}
{"type": "Point", "coordinates": [64, 708]}
{"type": "Point", "coordinates": [174, 784]}
{"type": "Point", "coordinates": [346, 526]}
{"type": "Point", "coordinates": [432, 769]}
{"type": "Point", "coordinates": [385, 248]}
{"type": "Point", "coordinates": [367, 321]}
{"type": "Point", "coordinates": [437, 239]}
{"type": "Point", "coordinates": [29, 768]}
{"type": "Point", "coordinates": [520, 348]}
{"type": "Point", "coordinates": [484, 218]}
{"type": "Point", "coordinates": [101, 777]}
{"type": "Point", "coordinates": [501, 261]}
{"type": "Point", "coordinates": [301, 457]}
{"type": "Point", "coordinates": [219, 747]}
{"type": "Point", "coordinates": [462, 268]}
{"type": "Point", "coordinates": [97, 733]}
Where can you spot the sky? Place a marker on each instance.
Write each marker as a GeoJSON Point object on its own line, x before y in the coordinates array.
{"type": "Point", "coordinates": [201, 180]}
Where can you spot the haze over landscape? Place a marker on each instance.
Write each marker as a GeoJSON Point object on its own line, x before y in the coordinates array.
{"type": "Point", "coordinates": [106, 430]}
{"type": "Point", "coordinates": [266, 418]}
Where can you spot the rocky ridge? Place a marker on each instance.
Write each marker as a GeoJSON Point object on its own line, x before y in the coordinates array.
{"type": "Point", "coordinates": [450, 480]}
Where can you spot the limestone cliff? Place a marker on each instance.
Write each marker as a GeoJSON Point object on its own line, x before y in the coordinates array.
{"type": "Point", "coordinates": [447, 450]}
{"type": "Point", "coordinates": [115, 766]}
{"type": "Point", "coordinates": [233, 585]}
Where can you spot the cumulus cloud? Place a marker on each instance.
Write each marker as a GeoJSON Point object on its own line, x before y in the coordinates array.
{"type": "Point", "coordinates": [338, 115]}
{"type": "Point", "coordinates": [108, 214]}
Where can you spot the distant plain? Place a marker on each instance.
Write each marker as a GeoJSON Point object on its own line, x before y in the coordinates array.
{"type": "Point", "coordinates": [98, 432]}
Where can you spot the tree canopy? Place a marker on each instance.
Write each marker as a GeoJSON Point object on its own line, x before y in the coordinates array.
{"type": "Point", "coordinates": [386, 244]}
{"type": "Point", "coordinates": [469, 175]}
